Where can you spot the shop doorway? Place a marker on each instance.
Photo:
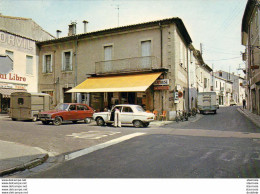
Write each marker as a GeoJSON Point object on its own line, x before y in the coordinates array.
{"type": "Point", "coordinates": [67, 97]}
{"type": "Point", "coordinates": [128, 98]}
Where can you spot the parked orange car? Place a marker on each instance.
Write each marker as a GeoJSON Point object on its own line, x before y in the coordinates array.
{"type": "Point", "coordinates": [67, 112]}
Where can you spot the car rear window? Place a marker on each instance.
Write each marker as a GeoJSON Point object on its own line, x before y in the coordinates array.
{"type": "Point", "coordinates": [82, 107]}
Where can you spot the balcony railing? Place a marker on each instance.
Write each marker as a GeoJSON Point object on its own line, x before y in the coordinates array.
{"type": "Point", "coordinates": [127, 65]}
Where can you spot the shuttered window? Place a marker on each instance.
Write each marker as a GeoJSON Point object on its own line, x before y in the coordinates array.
{"type": "Point", "coordinates": [67, 61]}
{"type": "Point", "coordinates": [146, 53]}
{"type": "Point", "coordinates": [29, 65]}
{"type": "Point", "coordinates": [10, 54]}
{"type": "Point", "coordinates": [47, 64]}
{"type": "Point", "coordinates": [108, 57]}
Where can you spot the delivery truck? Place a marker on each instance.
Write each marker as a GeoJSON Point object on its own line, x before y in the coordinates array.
{"type": "Point", "coordinates": [207, 102]}
{"type": "Point", "coordinates": [26, 106]}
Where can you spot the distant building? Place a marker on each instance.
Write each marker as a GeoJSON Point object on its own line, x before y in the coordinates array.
{"type": "Point", "coordinates": [199, 76]}
{"type": "Point", "coordinates": [251, 40]}
{"type": "Point", "coordinates": [238, 89]}
{"type": "Point", "coordinates": [223, 88]}
{"type": "Point", "coordinates": [18, 37]}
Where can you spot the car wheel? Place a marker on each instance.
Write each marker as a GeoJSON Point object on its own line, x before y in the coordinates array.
{"type": "Point", "coordinates": [14, 119]}
{"type": "Point", "coordinates": [87, 120]}
{"type": "Point", "coordinates": [215, 112]}
{"type": "Point", "coordinates": [138, 124]}
{"type": "Point", "coordinates": [57, 121]}
{"type": "Point", "coordinates": [35, 118]}
{"type": "Point", "coordinates": [146, 124]}
{"type": "Point", "coordinates": [74, 122]}
{"type": "Point", "coordinates": [100, 122]}
{"type": "Point", "coordinates": [45, 122]}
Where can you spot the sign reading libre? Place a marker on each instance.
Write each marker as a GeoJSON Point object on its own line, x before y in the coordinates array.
{"type": "Point", "coordinates": [13, 77]}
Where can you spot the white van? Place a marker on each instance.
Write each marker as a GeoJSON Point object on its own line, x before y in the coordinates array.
{"type": "Point", "coordinates": [207, 102]}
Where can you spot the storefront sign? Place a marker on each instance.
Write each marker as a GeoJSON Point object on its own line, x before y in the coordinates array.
{"type": "Point", "coordinates": [13, 86]}
{"type": "Point", "coordinates": [162, 82]}
{"type": "Point", "coordinates": [161, 87]}
{"type": "Point", "coordinates": [12, 77]}
{"type": "Point", "coordinates": [176, 97]}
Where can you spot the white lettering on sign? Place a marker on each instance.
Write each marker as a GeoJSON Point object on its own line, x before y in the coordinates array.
{"type": "Point", "coordinates": [162, 82]}
{"type": "Point", "coordinates": [16, 41]}
{"type": "Point", "coordinates": [12, 76]}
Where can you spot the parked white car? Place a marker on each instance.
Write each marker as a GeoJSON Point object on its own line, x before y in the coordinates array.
{"type": "Point", "coordinates": [129, 114]}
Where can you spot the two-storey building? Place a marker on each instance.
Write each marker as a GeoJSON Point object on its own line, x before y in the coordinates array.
{"type": "Point", "coordinates": [18, 37]}
{"type": "Point", "coordinates": [142, 64]}
{"type": "Point", "coordinates": [251, 40]}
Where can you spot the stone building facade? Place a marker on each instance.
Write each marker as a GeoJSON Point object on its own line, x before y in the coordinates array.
{"type": "Point", "coordinates": [137, 50]}
{"type": "Point", "coordinates": [251, 40]}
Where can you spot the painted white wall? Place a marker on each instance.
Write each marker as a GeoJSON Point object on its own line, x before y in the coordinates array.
{"type": "Point", "coordinates": [21, 47]}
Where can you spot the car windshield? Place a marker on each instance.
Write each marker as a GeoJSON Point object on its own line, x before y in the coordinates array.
{"type": "Point", "coordinates": [139, 109]}
{"type": "Point", "coordinates": [62, 107]}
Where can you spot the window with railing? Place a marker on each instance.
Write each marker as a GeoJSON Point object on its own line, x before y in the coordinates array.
{"type": "Point", "coordinates": [108, 57]}
{"type": "Point", "coordinates": [146, 53]}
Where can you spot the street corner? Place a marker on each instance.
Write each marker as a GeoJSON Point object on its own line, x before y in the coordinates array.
{"type": "Point", "coordinates": [16, 157]}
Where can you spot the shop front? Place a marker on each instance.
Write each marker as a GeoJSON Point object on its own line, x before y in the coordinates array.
{"type": "Point", "coordinates": [5, 94]}
{"type": "Point", "coordinates": [106, 92]}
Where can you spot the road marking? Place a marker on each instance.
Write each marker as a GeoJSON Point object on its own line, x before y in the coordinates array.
{"type": "Point", "coordinates": [93, 134]}
{"type": "Point", "coordinates": [100, 146]}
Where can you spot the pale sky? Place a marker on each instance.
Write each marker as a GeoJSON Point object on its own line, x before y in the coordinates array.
{"type": "Point", "coordinates": [214, 23]}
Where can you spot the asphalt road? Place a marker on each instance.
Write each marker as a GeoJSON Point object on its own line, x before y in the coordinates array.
{"type": "Point", "coordinates": [158, 155]}
{"type": "Point", "coordinates": [226, 119]}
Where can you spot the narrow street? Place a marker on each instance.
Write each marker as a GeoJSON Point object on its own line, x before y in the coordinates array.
{"type": "Point", "coordinates": [226, 151]}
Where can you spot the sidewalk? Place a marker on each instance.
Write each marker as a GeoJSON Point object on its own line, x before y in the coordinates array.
{"type": "Point", "coordinates": [17, 157]}
{"type": "Point", "coordinates": [253, 117]}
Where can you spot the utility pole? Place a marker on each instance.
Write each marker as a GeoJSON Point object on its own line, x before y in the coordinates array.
{"type": "Point", "coordinates": [212, 82]}
{"type": "Point", "coordinates": [117, 15]}
{"type": "Point", "coordinates": [117, 6]}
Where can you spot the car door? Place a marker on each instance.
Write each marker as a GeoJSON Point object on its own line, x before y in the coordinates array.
{"type": "Point", "coordinates": [127, 114]}
{"type": "Point", "coordinates": [84, 112]}
{"type": "Point", "coordinates": [72, 112]}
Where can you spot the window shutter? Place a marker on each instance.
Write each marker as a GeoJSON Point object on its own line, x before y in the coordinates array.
{"type": "Point", "coordinates": [44, 64]}
{"type": "Point", "coordinates": [50, 63]}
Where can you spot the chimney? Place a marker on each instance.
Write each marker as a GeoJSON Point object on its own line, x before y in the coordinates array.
{"type": "Point", "coordinates": [58, 33]}
{"type": "Point", "coordinates": [72, 29]}
{"type": "Point", "coordinates": [85, 26]}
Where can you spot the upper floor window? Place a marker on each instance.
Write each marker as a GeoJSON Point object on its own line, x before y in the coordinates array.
{"type": "Point", "coordinates": [220, 74]}
{"type": "Point", "coordinates": [108, 52]}
{"type": "Point", "coordinates": [146, 53]}
{"type": "Point", "coordinates": [146, 48]}
{"type": "Point", "coordinates": [205, 83]}
{"type": "Point", "coordinates": [29, 65]}
{"type": "Point", "coordinates": [67, 61]}
{"type": "Point", "coordinates": [216, 84]}
{"type": "Point", "coordinates": [10, 54]}
{"type": "Point", "coordinates": [47, 63]}
{"type": "Point", "coordinates": [108, 57]}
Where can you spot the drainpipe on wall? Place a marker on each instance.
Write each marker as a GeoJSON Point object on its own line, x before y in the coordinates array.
{"type": "Point", "coordinates": [188, 70]}
{"type": "Point", "coordinates": [76, 66]}
{"type": "Point", "coordinates": [161, 41]}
